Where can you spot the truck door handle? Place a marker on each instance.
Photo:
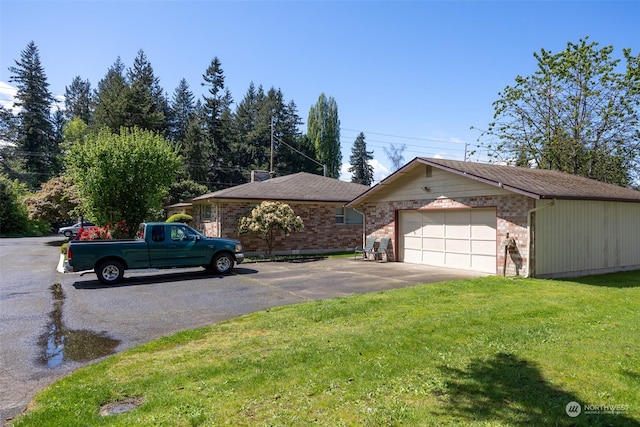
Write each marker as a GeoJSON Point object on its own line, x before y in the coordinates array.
{"type": "Point", "coordinates": [172, 246]}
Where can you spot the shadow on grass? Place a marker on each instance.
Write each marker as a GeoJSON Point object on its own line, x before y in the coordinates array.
{"type": "Point", "coordinates": [513, 391]}
{"type": "Point", "coordinates": [623, 279]}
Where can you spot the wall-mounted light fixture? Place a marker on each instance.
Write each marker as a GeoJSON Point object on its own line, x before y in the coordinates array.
{"type": "Point", "coordinates": [426, 189]}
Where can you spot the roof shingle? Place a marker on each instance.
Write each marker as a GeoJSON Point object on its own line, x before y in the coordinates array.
{"type": "Point", "coordinates": [536, 183]}
{"type": "Point", "coordinates": [301, 186]}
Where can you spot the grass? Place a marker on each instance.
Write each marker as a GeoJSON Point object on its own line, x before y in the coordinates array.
{"type": "Point", "coordinates": [486, 352]}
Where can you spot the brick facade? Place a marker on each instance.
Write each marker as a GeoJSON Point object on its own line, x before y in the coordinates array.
{"type": "Point", "coordinates": [320, 233]}
{"type": "Point", "coordinates": [511, 217]}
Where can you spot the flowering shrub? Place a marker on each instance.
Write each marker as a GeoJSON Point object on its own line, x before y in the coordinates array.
{"type": "Point", "coordinates": [269, 218]}
{"type": "Point", "coordinates": [119, 230]}
{"type": "Point", "coordinates": [94, 233]}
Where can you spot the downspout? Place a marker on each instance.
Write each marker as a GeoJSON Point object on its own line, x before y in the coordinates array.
{"type": "Point", "coordinates": [364, 226]}
{"type": "Point", "coordinates": [529, 242]}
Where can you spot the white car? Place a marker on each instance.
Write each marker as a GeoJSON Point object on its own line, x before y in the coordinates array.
{"type": "Point", "coordinates": [72, 230]}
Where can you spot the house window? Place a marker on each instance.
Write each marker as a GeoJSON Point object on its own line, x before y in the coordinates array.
{"type": "Point", "coordinates": [347, 216]}
{"type": "Point", "coordinates": [206, 212]}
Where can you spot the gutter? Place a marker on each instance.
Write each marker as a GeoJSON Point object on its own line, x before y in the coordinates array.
{"type": "Point", "coordinates": [529, 242]}
{"type": "Point", "coordinates": [364, 225]}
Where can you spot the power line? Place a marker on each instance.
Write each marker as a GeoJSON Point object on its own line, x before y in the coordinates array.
{"type": "Point", "coordinates": [404, 137]}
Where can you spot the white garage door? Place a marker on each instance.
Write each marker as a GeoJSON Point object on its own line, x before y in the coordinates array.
{"type": "Point", "coordinates": [451, 238]}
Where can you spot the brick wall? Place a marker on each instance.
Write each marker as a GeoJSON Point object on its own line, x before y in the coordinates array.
{"type": "Point", "coordinates": [320, 233]}
{"type": "Point", "coordinates": [511, 212]}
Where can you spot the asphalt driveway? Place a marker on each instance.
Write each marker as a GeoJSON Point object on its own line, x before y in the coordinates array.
{"type": "Point", "coordinates": [41, 310]}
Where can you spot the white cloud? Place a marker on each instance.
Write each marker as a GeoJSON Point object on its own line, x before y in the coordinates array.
{"type": "Point", "coordinates": [7, 95]}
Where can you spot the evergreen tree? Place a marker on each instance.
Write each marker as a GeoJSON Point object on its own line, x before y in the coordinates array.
{"type": "Point", "coordinates": [323, 128]}
{"type": "Point", "coordinates": [362, 171]}
{"type": "Point", "coordinates": [195, 151]}
{"type": "Point", "coordinates": [181, 109]}
{"type": "Point", "coordinates": [36, 146]}
{"type": "Point", "coordinates": [9, 162]}
{"type": "Point", "coordinates": [252, 142]}
{"type": "Point", "coordinates": [218, 126]}
{"type": "Point", "coordinates": [111, 99]}
{"type": "Point", "coordinates": [293, 152]}
{"type": "Point", "coordinates": [79, 100]}
{"type": "Point", "coordinates": [146, 105]}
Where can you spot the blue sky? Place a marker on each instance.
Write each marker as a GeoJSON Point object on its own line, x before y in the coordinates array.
{"type": "Point", "coordinates": [420, 73]}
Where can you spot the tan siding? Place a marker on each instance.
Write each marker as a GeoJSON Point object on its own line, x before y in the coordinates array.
{"type": "Point", "coordinates": [440, 184]}
{"type": "Point", "coordinates": [583, 237]}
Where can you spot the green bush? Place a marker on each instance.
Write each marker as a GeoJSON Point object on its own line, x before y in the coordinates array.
{"type": "Point", "coordinates": [180, 217]}
{"type": "Point", "coordinates": [14, 219]}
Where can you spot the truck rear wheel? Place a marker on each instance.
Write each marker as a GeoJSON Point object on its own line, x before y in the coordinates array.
{"type": "Point", "coordinates": [223, 263]}
{"type": "Point", "coordinates": [110, 272]}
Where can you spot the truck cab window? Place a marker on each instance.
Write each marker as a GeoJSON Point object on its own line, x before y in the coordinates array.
{"type": "Point", "coordinates": [157, 233]}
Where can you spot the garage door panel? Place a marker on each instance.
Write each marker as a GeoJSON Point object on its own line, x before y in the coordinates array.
{"type": "Point", "coordinates": [413, 256]}
{"type": "Point", "coordinates": [483, 232]}
{"type": "Point", "coordinates": [458, 260]}
{"type": "Point", "coordinates": [451, 238]}
{"type": "Point", "coordinates": [483, 247]}
{"type": "Point", "coordinates": [412, 242]}
{"type": "Point", "coordinates": [483, 263]}
{"type": "Point", "coordinates": [458, 246]}
{"type": "Point", "coordinates": [433, 258]}
{"type": "Point", "coordinates": [433, 230]}
{"type": "Point", "coordinates": [457, 231]}
{"type": "Point", "coordinates": [433, 244]}
{"type": "Point", "coordinates": [432, 217]}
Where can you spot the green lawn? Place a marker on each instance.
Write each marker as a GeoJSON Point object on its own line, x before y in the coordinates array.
{"type": "Point", "coordinates": [489, 352]}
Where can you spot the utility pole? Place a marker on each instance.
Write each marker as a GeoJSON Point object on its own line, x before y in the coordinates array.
{"type": "Point", "coordinates": [271, 171]}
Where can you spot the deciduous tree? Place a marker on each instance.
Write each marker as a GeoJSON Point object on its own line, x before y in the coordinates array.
{"type": "Point", "coordinates": [577, 113]}
{"type": "Point", "coordinates": [56, 201]}
{"type": "Point", "coordinates": [122, 176]}
{"type": "Point", "coordinates": [13, 213]}
{"type": "Point", "coordinates": [323, 128]}
{"type": "Point", "coordinates": [270, 219]}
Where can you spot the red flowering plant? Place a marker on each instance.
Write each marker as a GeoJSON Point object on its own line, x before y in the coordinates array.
{"type": "Point", "coordinates": [111, 231]}
{"type": "Point", "coordinates": [94, 233]}
{"type": "Point", "coordinates": [119, 230]}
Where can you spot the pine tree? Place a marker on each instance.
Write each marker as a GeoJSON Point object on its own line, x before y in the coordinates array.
{"type": "Point", "coordinates": [252, 136]}
{"type": "Point", "coordinates": [181, 109]}
{"type": "Point", "coordinates": [195, 151]}
{"type": "Point", "coordinates": [147, 106]}
{"type": "Point", "coordinates": [323, 128]}
{"type": "Point", "coordinates": [111, 99]}
{"type": "Point", "coordinates": [36, 146]}
{"type": "Point", "coordinates": [218, 126]}
{"type": "Point", "coordinates": [78, 100]}
{"type": "Point", "coordinates": [362, 171]}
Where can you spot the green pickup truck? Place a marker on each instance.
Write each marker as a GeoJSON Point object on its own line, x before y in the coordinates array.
{"type": "Point", "coordinates": [158, 245]}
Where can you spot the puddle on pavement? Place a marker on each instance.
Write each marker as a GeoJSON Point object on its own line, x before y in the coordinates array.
{"type": "Point", "coordinates": [59, 343]}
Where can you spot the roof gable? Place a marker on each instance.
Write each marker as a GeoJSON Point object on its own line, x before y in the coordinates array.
{"type": "Point", "coordinates": [535, 183]}
{"type": "Point", "coordinates": [301, 186]}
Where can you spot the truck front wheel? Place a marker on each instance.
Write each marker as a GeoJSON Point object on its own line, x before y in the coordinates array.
{"type": "Point", "coordinates": [110, 272]}
{"type": "Point", "coordinates": [223, 263]}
